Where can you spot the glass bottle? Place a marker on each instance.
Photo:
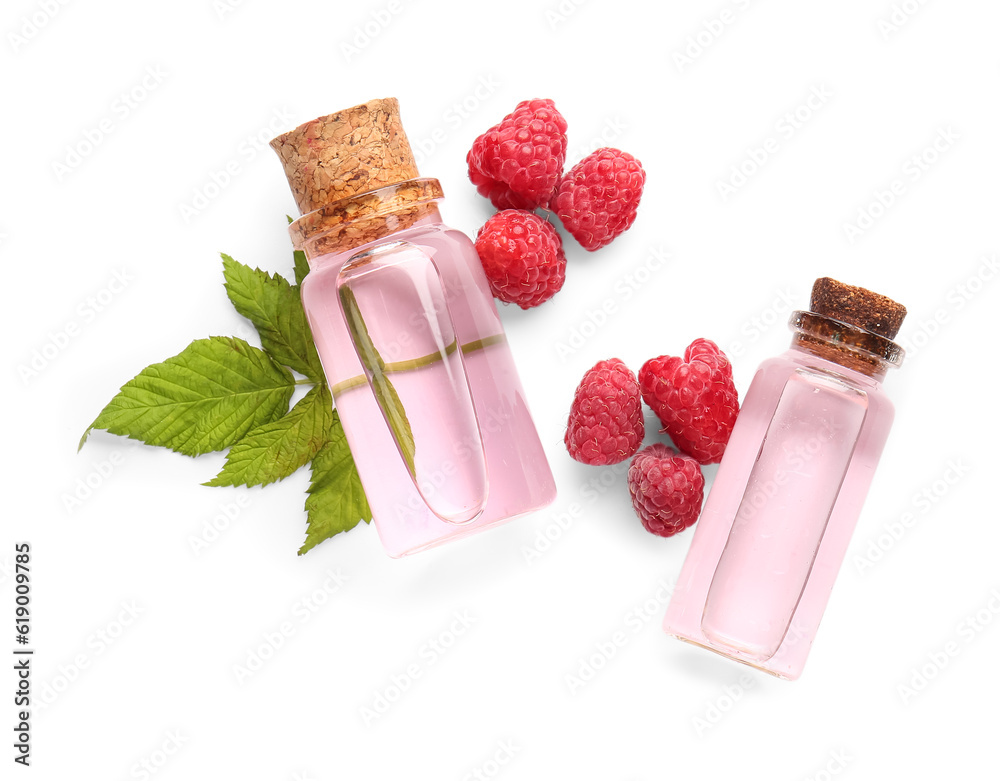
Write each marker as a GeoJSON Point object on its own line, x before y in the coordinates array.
{"type": "Point", "coordinates": [410, 340]}
{"type": "Point", "coordinates": [778, 520]}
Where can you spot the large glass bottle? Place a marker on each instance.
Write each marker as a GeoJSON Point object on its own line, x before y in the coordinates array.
{"type": "Point", "coordinates": [788, 493]}
{"type": "Point", "coordinates": [409, 337]}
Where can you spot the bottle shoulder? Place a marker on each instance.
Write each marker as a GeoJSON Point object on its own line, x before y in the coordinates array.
{"type": "Point", "coordinates": [428, 233]}
{"type": "Point", "coordinates": [450, 250]}
{"type": "Point", "coordinates": [774, 375]}
{"type": "Point", "coordinates": [799, 361]}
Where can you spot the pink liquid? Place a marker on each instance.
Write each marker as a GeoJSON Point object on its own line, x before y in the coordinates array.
{"type": "Point", "coordinates": [778, 521]}
{"type": "Point", "coordinates": [477, 458]}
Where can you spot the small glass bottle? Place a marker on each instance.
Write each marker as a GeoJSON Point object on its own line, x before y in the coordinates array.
{"type": "Point", "coordinates": [409, 336]}
{"type": "Point", "coordinates": [789, 490]}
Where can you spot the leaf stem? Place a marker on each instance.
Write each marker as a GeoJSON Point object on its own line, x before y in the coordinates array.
{"type": "Point", "coordinates": [419, 363]}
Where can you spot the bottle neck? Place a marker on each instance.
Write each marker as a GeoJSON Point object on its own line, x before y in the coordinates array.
{"type": "Point", "coordinates": [361, 219]}
{"type": "Point", "coordinates": [844, 344]}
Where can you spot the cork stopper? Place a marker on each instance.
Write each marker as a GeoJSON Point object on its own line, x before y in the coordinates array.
{"type": "Point", "coordinates": [855, 305]}
{"type": "Point", "coordinates": [345, 154]}
{"type": "Point", "coordinates": [850, 326]}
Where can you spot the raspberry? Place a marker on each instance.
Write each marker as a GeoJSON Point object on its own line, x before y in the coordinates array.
{"type": "Point", "coordinates": [522, 256]}
{"type": "Point", "coordinates": [517, 163]}
{"type": "Point", "coordinates": [500, 195]}
{"type": "Point", "coordinates": [666, 489]}
{"type": "Point", "coordinates": [598, 198]}
{"type": "Point", "coordinates": [695, 399]}
{"type": "Point", "coordinates": [605, 421]}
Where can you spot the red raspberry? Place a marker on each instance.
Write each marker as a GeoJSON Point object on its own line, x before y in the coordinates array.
{"type": "Point", "coordinates": [517, 164]}
{"type": "Point", "coordinates": [598, 198]}
{"type": "Point", "coordinates": [666, 489]}
{"type": "Point", "coordinates": [522, 256]}
{"type": "Point", "coordinates": [500, 195]}
{"type": "Point", "coordinates": [695, 399]}
{"type": "Point", "coordinates": [605, 421]}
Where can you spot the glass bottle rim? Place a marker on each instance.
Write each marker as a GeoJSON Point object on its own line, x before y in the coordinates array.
{"type": "Point", "coordinates": [363, 206]}
{"type": "Point", "coordinates": [848, 337]}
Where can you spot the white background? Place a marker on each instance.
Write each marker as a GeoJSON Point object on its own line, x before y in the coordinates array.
{"type": "Point", "coordinates": [222, 79]}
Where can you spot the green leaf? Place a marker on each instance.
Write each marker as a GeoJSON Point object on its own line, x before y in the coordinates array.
{"type": "Point", "coordinates": [273, 451]}
{"type": "Point", "coordinates": [336, 502]}
{"type": "Point", "coordinates": [301, 266]}
{"type": "Point", "coordinates": [299, 259]}
{"type": "Point", "coordinates": [386, 395]}
{"type": "Point", "coordinates": [203, 399]}
{"type": "Point", "coordinates": [274, 307]}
